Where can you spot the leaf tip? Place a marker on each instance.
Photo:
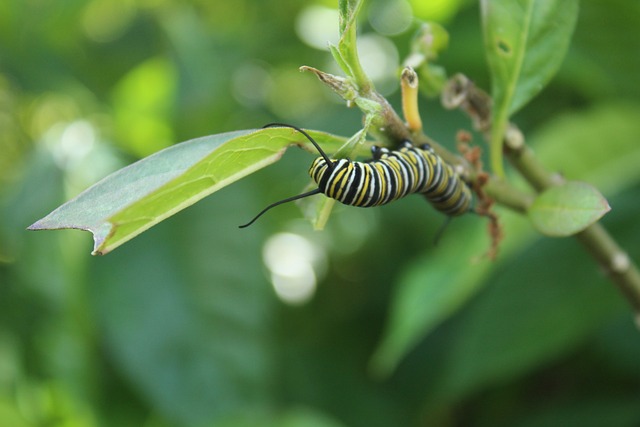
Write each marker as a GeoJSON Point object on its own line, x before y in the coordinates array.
{"type": "Point", "coordinates": [38, 225]}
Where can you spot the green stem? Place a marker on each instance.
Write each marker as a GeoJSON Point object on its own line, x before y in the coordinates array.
{"type": "Point", "coordinates": [496, 147]}
{"type": "Point", "coordinates": [349, 10]}
{"type": "Point", "coordinates": [534, 172]}
{"type": "Point", "coordinates": [615, 261]}
{"type": "Point", "coordinates": [507, 195]}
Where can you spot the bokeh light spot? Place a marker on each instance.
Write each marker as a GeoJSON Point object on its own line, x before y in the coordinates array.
{"type": "Point", "coordinates": [291, 260]}
{"type": "Point", "coordinates": [250, 84]}
{"type": "Point", "coordinates": [380, 60]}
{"type": "Point", "coordinates": [390, 17]}
{"type": "Point", "coordinates": [317, 26]}
{"type": "Point", "coordinates": [435, 10]}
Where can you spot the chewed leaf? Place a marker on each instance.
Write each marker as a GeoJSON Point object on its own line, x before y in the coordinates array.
{"type": "Point", "coordinates": [525, 43]}
{"type": "Point", "coordinates": [567, 209]}
{"type": "Point", "coordinates": [133, 199]}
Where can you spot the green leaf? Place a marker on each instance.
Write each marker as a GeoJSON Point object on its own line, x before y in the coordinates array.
{"type": "Point", "coordinates": [604, 410]}
{"type": "Point", "coordinates": [432, 289]}
{"type": "Point", "coordinates": [427, 296]}
{"type": "Point", "coordinates": [135, 198]}
{"type": "Point", "coordinates": [525, 43]}
{"type": "Point", "coordinates": [535, 310]}
{"type": "Point", "coordinates": [192, 332]}
{"type": "Point", "coordinates": [567, 209]}
{"type": "Point", "coordinates": [296, 416]}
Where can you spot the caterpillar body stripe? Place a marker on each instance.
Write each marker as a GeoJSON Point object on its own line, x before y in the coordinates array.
{"type": "Point", "coordinates": [392, 175]}
{"type": "Point", "coordinates": [388, 176]}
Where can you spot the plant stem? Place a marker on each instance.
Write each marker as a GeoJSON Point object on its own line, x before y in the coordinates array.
{"type": "Point", "coordinates": [615, 261]}
{"type": "Point", "coordinates": [507, 195]}
{"type": "Point", "coordinates": [525, 161]}
{"type": "Point", "coordinates": [595, 238]}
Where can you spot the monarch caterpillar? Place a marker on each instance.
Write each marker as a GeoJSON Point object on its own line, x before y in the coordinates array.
{"type": "Point", "coordinates": [388, 176]}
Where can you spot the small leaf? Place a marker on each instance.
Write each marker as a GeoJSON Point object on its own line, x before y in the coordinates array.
{"type": "Point", "coordinates": [567, 209]}
{"type": "Point", "coordinates": [135, 198]}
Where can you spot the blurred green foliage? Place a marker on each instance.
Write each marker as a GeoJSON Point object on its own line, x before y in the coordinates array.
{"type": "Point", "coordinates": [181, 327]}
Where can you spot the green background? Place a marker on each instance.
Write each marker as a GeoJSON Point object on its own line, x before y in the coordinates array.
{"type": "Point", "coordinates": [181, 326]}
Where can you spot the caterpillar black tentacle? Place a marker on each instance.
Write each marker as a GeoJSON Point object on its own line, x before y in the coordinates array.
{"type": "Point", "coordinates": [388, 176]}
{"type": "Point", "coordinates": [273, 205]}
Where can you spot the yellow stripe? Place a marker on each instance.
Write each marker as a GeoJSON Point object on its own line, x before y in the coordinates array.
{"type": "Point", "coordinates": [364, 188]}
{"type": "Point", "coordinates": [334, 185]}
{"type": "Point", "coordinates": [383, 182]}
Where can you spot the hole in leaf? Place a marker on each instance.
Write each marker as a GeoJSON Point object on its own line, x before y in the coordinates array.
{"type": "Point", "coordinates": [504, 47]}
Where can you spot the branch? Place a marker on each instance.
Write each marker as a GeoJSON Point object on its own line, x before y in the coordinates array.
{"type": "Point", "coordinates": [463, 94]}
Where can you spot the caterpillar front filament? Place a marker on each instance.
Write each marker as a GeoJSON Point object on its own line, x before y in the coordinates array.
{"type": "Point", "coordinates": [388, 176]}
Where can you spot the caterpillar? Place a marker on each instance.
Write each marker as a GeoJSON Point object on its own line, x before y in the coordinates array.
{"type": "Point", "coordinates": [388, 176]}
